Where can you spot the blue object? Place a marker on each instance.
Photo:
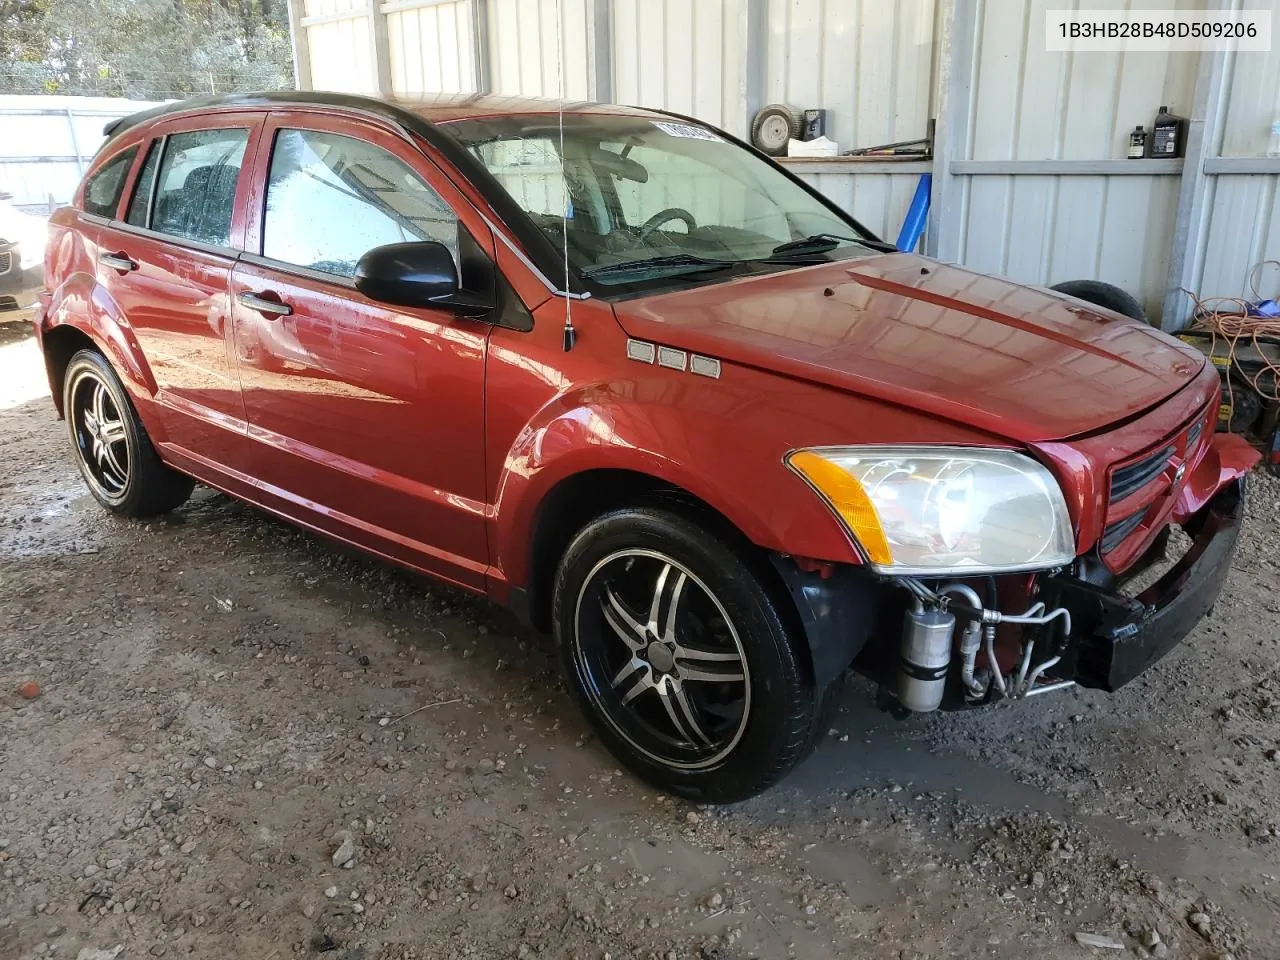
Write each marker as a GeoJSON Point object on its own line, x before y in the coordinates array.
{"type": "Point", "coordinates": [917, 215]}
{"type": "Point", "coordinates": [1264, 308]}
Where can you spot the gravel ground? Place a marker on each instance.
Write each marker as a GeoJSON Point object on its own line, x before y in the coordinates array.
{"type": "Point", "coordinates": [250, 741]}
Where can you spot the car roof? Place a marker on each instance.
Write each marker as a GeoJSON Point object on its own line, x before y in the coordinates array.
{"type": "Point", "coordinates": [432, 108]}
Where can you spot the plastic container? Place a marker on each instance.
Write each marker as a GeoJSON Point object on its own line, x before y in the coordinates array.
{"type": "Point", "coordinates": [1169, 135]}
{"type": "Point", "coordinates": [1137, 143]}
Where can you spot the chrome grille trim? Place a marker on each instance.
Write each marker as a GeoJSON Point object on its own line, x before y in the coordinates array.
{"type": "Point", "coordinates": [6, 261]}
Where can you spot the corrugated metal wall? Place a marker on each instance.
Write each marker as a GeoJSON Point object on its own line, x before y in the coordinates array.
{"type": "Point", "coordinates": [1253, 97]}
{"type": "Point", "coordinates": [1030, 105]}
{"type": "Point", "coordinates": [340, 50]}
{"type": "Point", "coordinates": [1046, 229]}
{"type": "Point", "coordinates": [870, 65]}
{"type": "Point", "coordinates": [526, 47]}
{"type": "Point", "coordinates": [682, 55]}
{"type": "Point", "coordinates": [432, 49]}
{"type": "Point", "coordinates": [1243, 225]}
{"type": "Point", "coordinates": [48, 142]}
{"type": "Point", "coordinates": [1243, 228]}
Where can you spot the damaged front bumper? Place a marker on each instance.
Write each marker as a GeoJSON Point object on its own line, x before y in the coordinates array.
{"type": "Point", "coordinates": [968, 643]}
{"type": "Point", "coordinates": [1115, 637]}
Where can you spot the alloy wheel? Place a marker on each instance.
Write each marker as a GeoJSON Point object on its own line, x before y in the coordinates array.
{"type": "Point", "coordinates": [102, 442]}
{"type": "Point", "coordinates": [661, 659]}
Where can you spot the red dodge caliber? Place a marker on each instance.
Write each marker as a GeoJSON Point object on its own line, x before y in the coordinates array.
{"type": "Point", "coordinates": [615, 369]}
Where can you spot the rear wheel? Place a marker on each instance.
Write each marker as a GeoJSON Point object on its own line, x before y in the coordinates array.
{"type": "Point", "coordinates": [112, 450]}
{"type": "Point", "coordinates": [685, 663]}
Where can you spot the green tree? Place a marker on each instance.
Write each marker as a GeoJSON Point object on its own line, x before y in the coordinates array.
{"type": "Point", "coordinates": [143, 49]}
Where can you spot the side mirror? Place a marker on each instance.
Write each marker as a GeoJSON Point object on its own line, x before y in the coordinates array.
{"type": "Point", "coordinates": [416, 274]}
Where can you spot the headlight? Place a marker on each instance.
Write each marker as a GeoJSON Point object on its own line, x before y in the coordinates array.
{"type": "Point", "coordinates": [943, 510]}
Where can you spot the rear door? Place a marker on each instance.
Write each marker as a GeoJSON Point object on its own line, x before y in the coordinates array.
{"type": "Point", "coordinates": [167, 266]}
{"type": "Point", "coordinates": [367, 419]}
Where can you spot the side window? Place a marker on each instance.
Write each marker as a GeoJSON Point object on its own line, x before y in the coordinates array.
{"type": "Point", "coordinates": [331, 199]}
{"type": "Point", "coordinates": [196, 187]}
{"type": "Point", "coordinates": [102, 189]}
{"type": "Point", "coordinates": [140, 205]}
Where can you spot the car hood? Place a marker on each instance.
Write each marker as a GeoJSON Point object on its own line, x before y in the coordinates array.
{"type": "Point", "coordinates": [1017, 361]}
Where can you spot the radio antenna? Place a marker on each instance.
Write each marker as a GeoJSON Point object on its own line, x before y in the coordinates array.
{"type": "Point", "coordinates": [570, 334]}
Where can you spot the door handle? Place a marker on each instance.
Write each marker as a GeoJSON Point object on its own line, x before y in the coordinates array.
{"type": "Point", "coordinates": [256, 301]}
{"type": "Point", "coordinates": [118, 261]}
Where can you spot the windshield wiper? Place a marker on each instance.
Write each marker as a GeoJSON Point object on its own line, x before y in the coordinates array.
{"type": "Point", "coordinates": [691, 263]}
{"type": "Point", "coordinates": [822, 242]}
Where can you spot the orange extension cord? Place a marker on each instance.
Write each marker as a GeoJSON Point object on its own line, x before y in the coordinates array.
{"type": "Point", "coordinates": [1228, 318]}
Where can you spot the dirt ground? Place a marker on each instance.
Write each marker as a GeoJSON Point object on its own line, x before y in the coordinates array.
{"type": "Point", "coordinates": [223, 695]}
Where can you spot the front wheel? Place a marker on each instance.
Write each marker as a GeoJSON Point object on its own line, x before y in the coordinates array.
{"type": "Point", "coordinates": [682, 656]}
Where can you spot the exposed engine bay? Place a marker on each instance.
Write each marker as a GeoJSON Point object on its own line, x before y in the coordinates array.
{"type": "Point", "coordinates": [929, 647]}
{"type": "Point", "coordinates": [970, 643]}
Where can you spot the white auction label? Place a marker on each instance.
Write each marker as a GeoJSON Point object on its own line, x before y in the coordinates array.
{"type": "Point", "coordinates": [1120, 31]}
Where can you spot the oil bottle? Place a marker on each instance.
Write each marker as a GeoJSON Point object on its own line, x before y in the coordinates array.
{"type": "Point", "coordinates": [1168, 136]}
{"type": "Point", "coordinates": [1138, 143]}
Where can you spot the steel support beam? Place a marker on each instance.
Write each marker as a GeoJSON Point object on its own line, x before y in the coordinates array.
{"type": "Point", "coordinates": [1196, 193]}
{"type": "Point", "coordinates": [298, 44]}
{"type": "Point", "coordinates": [481, 51]}
{"type": "Point", "coordinates": [957, 67]}
{"type": "Point", "coordinates": [755, 60]}
{"type": "Point", "coordinates": [380, 48]}
{"type": "Point", "coordinates": [600, 49]}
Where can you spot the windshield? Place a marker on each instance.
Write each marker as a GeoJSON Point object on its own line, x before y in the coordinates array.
{"type": "Point", "coordinates": [645, 203]}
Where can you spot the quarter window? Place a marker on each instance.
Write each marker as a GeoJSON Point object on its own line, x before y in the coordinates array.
{"type": "Point", "coordinates": [331, 199]}
{"type": "Point", "coordinates": [196, 188]}
{"type": "Point", "coordinates": [102, 190]}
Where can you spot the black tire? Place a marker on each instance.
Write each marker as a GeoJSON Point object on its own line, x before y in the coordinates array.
{"type": "Point", "coordinates": [755, 726]}
{"type": "Point", "coordinates": [773, 126]}
{"type": "Point", "coordinates": [117, 461]}
{"type": "Point", "coordinates": [1105, 295]}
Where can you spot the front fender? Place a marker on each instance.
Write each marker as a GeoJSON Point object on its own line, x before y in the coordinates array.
{"type": "Point", "coordinates": [723, 444]}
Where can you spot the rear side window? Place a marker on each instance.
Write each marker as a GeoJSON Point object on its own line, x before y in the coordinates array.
{"type": "Point", "coordinates": [140, 205]}
{"type": "Point", "coordinates": [331, 199]}
{"type": "Point", "coordinates": [196, 186]}
{"type": "Point", "coordinates": [102, 190]}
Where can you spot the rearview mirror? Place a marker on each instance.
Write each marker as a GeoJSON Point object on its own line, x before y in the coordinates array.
{"type": "Point", "coordinates": [624, 168]}
{"type": "Point", "coordinates": [417, 274]}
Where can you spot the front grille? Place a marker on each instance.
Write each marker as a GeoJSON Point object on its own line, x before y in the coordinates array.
{"type": "Point", "coordinates": [6, 261]}
{"type": "Point", "coordinates": [1116, 533]}
{"type": "Point", "coordinates": [1141, 476]}
{"type": "Point", "coordinates": [1131, 479]}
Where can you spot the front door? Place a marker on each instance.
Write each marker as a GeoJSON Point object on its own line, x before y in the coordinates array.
{"type": "Point", "coordinates": [167, 265]}
{"type": "Point", "coordinates": [367, 420]}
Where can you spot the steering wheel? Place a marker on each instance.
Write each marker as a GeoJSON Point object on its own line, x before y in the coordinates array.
{"type": "Point", "coordinates": [664, 216]}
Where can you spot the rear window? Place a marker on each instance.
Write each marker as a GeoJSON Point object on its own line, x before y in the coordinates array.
{"type": "Point", "coordinates": [103, 188]}
{"type": "Point", "coordinates": [195, 190]}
